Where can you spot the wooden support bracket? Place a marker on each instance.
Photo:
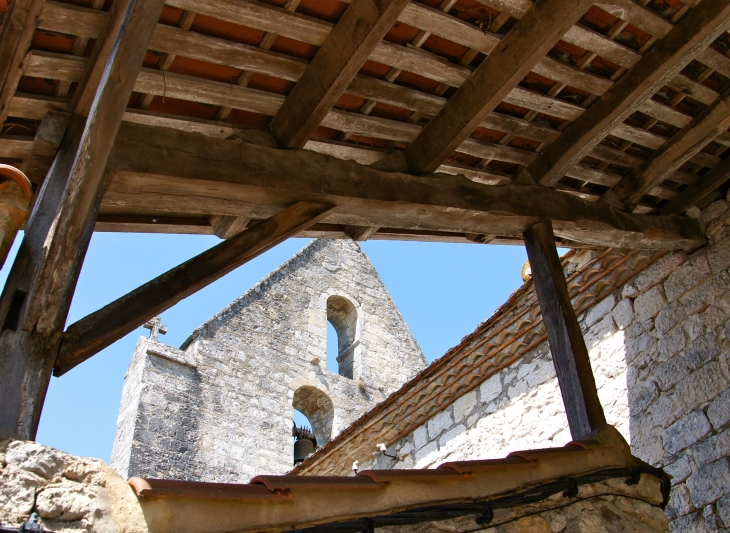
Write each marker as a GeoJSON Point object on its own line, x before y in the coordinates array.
{"type": "Point", "coordinates": [98, 330]}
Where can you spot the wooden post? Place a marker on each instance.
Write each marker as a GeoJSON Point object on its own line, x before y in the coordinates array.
{"type": "Point", "coordinates": [37, 295]}
{"type": "Point", "coordinates": [567, 346]}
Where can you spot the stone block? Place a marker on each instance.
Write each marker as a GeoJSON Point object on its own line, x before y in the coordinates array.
{"type": "Point", "coordinates": [440, 423]}
{"type": "Point", "coordinates": [709, 483]}
{"type": "Point", "coordinates": [719, 411]}
{"type": "Point", "coordinates": [649, 304]}
{"type": "Point", "coordinates": [700, 298]}
{"type": "Point", "coordinates": [36, 458]}
{"type": "Point", "coordinates": [671, 343]}
{"type": "Point", "coordinates": [712, 212]}
{"type": "Point", "coordinates": [701, 386]}
{"type": "Point", "coordinates": [680, 470]}
{"type": "Point", "coordinates": [669, 317]}
{"type": "Point", "coordinates": [671, 372]}
{"type": "Point", "coordinates": [723, 508]}
{"type": "Point", "coordinates": [600, 310]}
{"type": "Point", "coordinates": [686, 432]}
{"type": "Point", "coordinates": [713, 522]}
{"type": "Point", "coordinates": [680, 502]}
{"type": "Point", "coordinates": [63, 503]}
{"type": "Point", "coordinates": [702, 350]}
{"type": "Point", "coordinates": [712, 448]}
{"type": "Point", "coordinates": [623, 313]}
{"type": "Point", "coordinates": [642, 394]}
{"type": "Point", "coordinates": [464, 405]}
{"type": "Point", "coordinates": [657, 272]}
{"type": "Point", "coordinates": [491, 388]}
{"type": "Point", "coordinates": [691, 523]}
{"type": "Point", "coordinates": [686, 277]}
{"type": "Point", "coordinates": [718, 256]}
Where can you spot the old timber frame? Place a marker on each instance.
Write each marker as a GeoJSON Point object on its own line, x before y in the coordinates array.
{"type": "Point", "coordinates": [586, 123]}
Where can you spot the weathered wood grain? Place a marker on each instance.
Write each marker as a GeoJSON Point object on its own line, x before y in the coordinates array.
{"type": "Point", "coordinates": [39, 288]}
{"type": "Point", "coordinates": [697, 191]}
{"type": "Point", "coordinates": [347, 47]}
{"type": "Point", "coordinates": [694, 33]}
{"type": "Point", "coordinates": [684, 145]}
{"type": "Point", "coordinates": [177, 171]}
{"type": "Point", "coordinates": [523, 47]}
{"type": "Point", "coordinates": [17, 32]}
{"type": "Point", "coordinates": [570, 355]}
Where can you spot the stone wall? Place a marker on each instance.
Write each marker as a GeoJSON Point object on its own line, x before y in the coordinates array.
{"type": "Point", "coordinates": [220, 408]}
{"type": "Point", "coordinates": [659, 350]}
{"type": "Point", "coordinates": [70, 494]}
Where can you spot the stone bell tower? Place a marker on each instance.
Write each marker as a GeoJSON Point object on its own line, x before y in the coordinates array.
{"type": "Point", "coordinates": [220, 407]}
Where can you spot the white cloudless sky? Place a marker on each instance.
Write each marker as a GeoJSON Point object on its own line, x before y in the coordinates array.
{"type": "Point", "coordinates": [442, 290]}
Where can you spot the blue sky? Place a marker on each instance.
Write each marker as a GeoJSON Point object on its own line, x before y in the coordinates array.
{"type": "Point", "coordinates": [443, 291]}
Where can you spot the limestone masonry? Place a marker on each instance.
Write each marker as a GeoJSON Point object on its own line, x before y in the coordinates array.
{"type": "Point", "coordinates": [220, 408]}
{"type": "Point", "coordinates": [659, 349]}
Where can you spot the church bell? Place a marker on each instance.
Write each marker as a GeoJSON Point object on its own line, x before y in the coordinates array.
{"type": "Point", "coordinates": [302, 448]}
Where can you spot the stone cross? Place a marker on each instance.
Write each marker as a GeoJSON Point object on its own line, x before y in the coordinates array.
{"type": "Point", "coordinates": [156, 327]}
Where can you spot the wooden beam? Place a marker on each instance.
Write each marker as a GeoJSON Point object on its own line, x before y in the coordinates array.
{"type": "Point", "coordinates": [233, 177]}
{"type": "Point", "coordinates": [689, 141]}
{"type": "Point", "coordinates": [360, 233]}
{"type": "Point", "coordinates": [98, 330]}
{"type": "Point", "coordinates": [39, 288]}
{"type": "Point", "coordinates": [343, 53]}
{"type": "Point", "coordinates": [697, 191]}
{"type": "Point", "coordinates": [510, 61]}
{"type": "Point", "coordinates": [226, 226]}
{"type": "Point", "coordinates": [570, 355]}
{"type": "Point", "coordinates": [696, 31]}
{"type": "Point", "coordinates": [18, 28]}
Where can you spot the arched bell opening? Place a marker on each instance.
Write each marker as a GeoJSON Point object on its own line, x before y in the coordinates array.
{"type": "Point", "coordinates": [342, 315]}
{"type": "Point", "coordinates": [319, 411]}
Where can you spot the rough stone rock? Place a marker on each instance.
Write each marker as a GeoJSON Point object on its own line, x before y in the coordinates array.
{"type": "Point", "coordinates": [649, 304]}
{"type": "Point", "coordinates": [709, 483]}
{"type": "Point", "coordinates": [686, 277]}
{"type": "Point", "coordinates": [63, 503]}
{"type": "Point", "coordinates": [686, 431]}
{"type": "Point", "coordinates": [623, 313]}
{"type": "Point", "coordinates": [719, 411]}
{"type": "Point", "coordinates": [36, 458]}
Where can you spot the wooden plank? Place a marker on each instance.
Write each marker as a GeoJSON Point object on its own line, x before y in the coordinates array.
{"type": "Point", "coordinates": [172, 40]}
{"type": "Point", "coordinates": [98, 330]}
{"type": "Point", "coordinates": [685, 144]}
{"type": "Point", "coordinates": [697, 191]}
{"type": "Point", "coordinates": [523, 47]}
{"type": "Point", "coordinates": [15, 147]}
{"type": "Point", "coordinates": [17, 31]}
{"type": "Point", "coordinates": [347, 47]}
{"type": "Point", "coordinates": [570, 355]}
{"type": "Point", "coordinates": [695, 32]}
{"type": "Point", "coordinates": [39, 288]}
{"type": "Point", "coordinates": [233, 177]}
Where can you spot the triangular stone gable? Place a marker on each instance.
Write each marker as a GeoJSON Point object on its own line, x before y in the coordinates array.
{"type": "Point", "coordinates": [220, 408]}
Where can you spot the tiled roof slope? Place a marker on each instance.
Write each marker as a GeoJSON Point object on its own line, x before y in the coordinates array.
{"type": "Point", "coordinates": [512, 331]}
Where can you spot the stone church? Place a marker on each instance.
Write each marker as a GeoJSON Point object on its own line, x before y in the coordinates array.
{"type": "Point", "coordinates": [220, 407]}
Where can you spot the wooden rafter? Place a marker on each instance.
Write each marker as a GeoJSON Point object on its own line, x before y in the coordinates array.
{"type": "Point", "coordinates": [98, 330]}
{"type": "Point", "coordinates": [689, 141]}
{"type": "Point", "coordinates": [695, 32]}
{"type": "Point", "coordinates": [510, 61]}
{"type": "Point", "coordinates": [698, 190]}
{"type": "Point", "coordinates": [343, 53]}
{"type": "Point", "coordinates": [17, 32]}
